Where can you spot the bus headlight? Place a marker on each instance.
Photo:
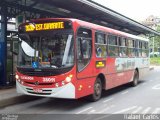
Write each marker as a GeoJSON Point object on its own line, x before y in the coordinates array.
{"type": "Point", "coordinates": [56, 84]}
{"type": "Point", "coordinates": [17, 77]}
{"type": "Point", "coordinates": [68, 78]}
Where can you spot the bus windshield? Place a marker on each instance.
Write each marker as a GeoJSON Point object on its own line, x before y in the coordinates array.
{"type": "Point", "coordinates": [53, 50]}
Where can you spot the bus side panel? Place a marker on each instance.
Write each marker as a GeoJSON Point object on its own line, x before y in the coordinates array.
{"type": "Point", "coordinates": [130, 68]}
{"type": "Point", "coordinates": [84, 87]}
{"type": "Point", "coordinates": [85, 80]}
{"type": "Point", "coordinates": [130, 75]}
{"type": "Point", "coordinates": [111, 72]}
{"type": "Point", "coordinates": [143, 66]}
{"type": "Point", "coordinates": [115, 72]}
{"type": "Point", "coordinates": [109, 81]}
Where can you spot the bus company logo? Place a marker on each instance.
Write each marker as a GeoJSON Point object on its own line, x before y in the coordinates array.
{"type": "Point", "coordinates": [48, 80]}
{"type": "Point", "coordinates": [36, 83]}
{"type": "Point", "coordinates": [27, 78]}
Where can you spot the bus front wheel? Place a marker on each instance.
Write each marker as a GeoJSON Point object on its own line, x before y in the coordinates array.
{"type": "Point", "coordinates": [97, 90]}
{"type": "Point", "coordinates": [135, 79]}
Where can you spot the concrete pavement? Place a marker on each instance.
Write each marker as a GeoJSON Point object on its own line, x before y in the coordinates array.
{"type": "Point", "coordinates": [10, 96]}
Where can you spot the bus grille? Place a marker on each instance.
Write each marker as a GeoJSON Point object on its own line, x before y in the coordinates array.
{"type": "Point", "coordinates": [45, 92]}
{"type": "Point", "coordinates": [39, 93]}
{"type": "Point", "coordinates": [33, 83]}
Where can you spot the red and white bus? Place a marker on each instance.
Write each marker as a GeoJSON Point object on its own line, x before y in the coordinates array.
{"type": "Point", "coordinates": [70, 58]}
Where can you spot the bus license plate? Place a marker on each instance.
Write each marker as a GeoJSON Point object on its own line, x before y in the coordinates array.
{"type": "Point", "coordinates": [37, 90]}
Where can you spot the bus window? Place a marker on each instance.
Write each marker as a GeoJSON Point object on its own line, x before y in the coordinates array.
{"type": "Point", "coordinates": [123, 47]}
{"type": "Point", "coordinates": [131, 48]}
{"type": "Point", "coordinates": [112, 46]}
{"type": "Point", "coordinates": [84, 47]}
{"type": "Point", "coordinates": [144, 49]}
{"type": "Point", "coordinates": [136, 48]}
{"type": "Point", "coordinates": [100, 45]}
{"type": "Point", "coordinates": [140, 49]}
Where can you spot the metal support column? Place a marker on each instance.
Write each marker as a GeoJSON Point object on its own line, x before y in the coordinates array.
{"type": "Point", "coordinates": [3, 46]}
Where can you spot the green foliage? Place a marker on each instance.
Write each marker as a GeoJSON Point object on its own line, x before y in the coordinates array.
{"type": "Point", "coordinates": [155, 61]}
{"type": "Point", "coordinates": [156, 40]}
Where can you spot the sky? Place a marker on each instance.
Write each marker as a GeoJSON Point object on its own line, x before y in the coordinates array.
{"type": "Point", "coordinates": [137, 10]}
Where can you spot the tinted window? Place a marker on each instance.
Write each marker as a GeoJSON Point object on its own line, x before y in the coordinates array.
{"type": "Point", "coordinates": [112, 46]}
{"type": "Point", "coordinates": [100, 45]}
{"type": "Point", "coordinates": [122, 47]}
{"type": "Point", "coordinates": [84, 47]}
{"type": "Point", "coordinates": [131, 48]}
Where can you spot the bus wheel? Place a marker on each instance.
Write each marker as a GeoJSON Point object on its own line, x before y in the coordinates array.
{"type": "Point", "coordinates": [135, 79]}
{"type": "Point", "coordinates": [97, 90]}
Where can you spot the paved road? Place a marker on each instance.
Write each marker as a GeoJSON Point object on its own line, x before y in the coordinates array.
{"type": "Point", "coordinates": [125, 99]}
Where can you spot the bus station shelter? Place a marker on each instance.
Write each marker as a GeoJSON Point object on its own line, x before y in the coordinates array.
{"type": "Point", "coordinates": [86, 10]}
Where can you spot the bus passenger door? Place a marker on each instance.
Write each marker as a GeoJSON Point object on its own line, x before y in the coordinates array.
{"type": "Point", "coordinates": [84, 62]}
{"type": "Point", "coordinates": [84, 53]}
{"type": "Point", "coordinates": [84, 67]}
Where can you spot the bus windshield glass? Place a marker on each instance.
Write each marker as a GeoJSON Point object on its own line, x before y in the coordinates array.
{"type": "Point", "coordinates": [54, 50]}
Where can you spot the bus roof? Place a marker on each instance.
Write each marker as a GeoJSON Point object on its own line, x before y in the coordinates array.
{"type": "Point", "coordinates": [107, 29]}
{"type": "Point", "coordinates": [97, 27]}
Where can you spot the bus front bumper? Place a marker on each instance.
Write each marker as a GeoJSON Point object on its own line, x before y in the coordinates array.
{"type": "Point", "coordinates": [66, 91]}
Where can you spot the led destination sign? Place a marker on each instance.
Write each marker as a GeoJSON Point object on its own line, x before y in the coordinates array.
{"type": "Point", "coordinates": [44, 26]}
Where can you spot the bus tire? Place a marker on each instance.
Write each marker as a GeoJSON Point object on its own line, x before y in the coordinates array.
{"type": "Point", "coordinates": [97, 91]}
{"type": "Point", "coordinates": [135, 79]}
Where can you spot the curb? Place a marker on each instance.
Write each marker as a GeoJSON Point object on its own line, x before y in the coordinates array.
{"type": "Point", "coordinates": [17, 99]}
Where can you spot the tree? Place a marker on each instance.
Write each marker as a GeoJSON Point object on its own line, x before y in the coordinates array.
{"type": "Point", "coordinates": [157, 40]}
